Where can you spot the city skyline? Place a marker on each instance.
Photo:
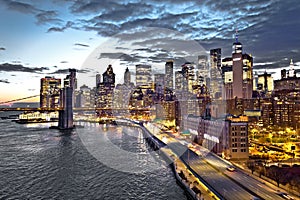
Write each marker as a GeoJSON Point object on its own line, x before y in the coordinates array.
{"type": "Point", "coordinates": [41, 39]}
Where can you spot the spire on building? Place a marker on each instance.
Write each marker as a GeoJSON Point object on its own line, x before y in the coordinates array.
{"type": "Point", "coordinates": [236, 36]}
{"type": "Point", "coordinates": [237, 46]}
{"type": "Point", "coordinates": [291, 71]}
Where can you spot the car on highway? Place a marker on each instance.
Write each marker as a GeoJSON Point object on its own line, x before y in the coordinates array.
{"type": "Point", "coordinates": [230, 168]}
{"type": "Point", "coordinates": [285, 195]}
{"type": "Point", "coordinates": [255, 198]}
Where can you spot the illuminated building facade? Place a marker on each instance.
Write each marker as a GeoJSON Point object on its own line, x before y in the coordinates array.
{"type": "Point", "coordinates": [203, 71]}
{"type": "Point", "coordinates": [215, 73]}
{"type": "Point", "coordinates": [105, 90]}
{"type": "Point", "coordinates": [122, 94]}
{"type": "Point", "coordinates": [84, 97]}
{"type": "Point", "coordinates": [50, 92]}
{"type": "Point", "coordinates": [228, 138]}
{"type": "Point", "coordinates": [179, 81]}
{"type": "Point", "coordinates": [143, 75]}
{"type": "Point", "coordinates": [237, 73]}
{"type": "Point", "coordinates": [169, 74]}
{"type": "Point", "coordinates": [159, 81]}
{"type": "Point", "coordinates": [188, 72]}
{"type": "Point", "coordinates": [265, 83]}
{"type": "Point", "coordinates": [237, 146]}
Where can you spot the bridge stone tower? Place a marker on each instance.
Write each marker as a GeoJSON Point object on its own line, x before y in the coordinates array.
{"type": "Point", "coordinates": [67, 101]}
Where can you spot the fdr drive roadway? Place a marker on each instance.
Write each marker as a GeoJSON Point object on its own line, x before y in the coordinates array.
{"type": "Point", "coordinates": [212, 170]}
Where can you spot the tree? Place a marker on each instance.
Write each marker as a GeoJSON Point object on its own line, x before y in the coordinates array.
{"type": "Point", "coordinates": [261, 171]}
{"type": "Point", "coordinates": [276, 174]}
{"type": "Point", "coordinates": [251, 165]}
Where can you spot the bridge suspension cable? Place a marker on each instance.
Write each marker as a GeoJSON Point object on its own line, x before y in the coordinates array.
{"type": "Point", "coordinates": [19, 99]}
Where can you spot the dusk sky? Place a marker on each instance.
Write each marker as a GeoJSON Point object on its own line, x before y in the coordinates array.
{"type": "Point", "coordinates": [45, 38]}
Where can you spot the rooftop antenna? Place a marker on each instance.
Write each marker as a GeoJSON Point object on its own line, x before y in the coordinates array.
{"type": "Point", "coordinates": [236, 36]}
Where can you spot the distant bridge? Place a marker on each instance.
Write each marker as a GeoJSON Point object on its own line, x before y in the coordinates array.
{"type": "Point", "coordinates": [20, 99]}
{"type": "Point", "coordinates": [75, 109]}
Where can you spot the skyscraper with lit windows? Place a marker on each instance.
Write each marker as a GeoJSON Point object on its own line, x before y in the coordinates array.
{"type": "Point", "coordinates": [143, 75]}
{"type": "Point", "coordinates": [50, 92]}
{"type": "Point", "coordinates": [215, 73]}
{"type": "Point", "coordinates": [169, 74]}
{"type": "Point", "coordinates": [237, 73]}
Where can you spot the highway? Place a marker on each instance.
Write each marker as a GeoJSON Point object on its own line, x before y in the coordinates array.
{"type": "Point", "coordinates": [212, 169]}
{"type": "Point", "coordinates": [238, 176]}
{"type": "Point", "coordinates": [221, 183]}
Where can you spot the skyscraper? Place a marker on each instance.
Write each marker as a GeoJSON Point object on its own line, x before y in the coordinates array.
{"type": "Point", "coordinates": [98, 79]}
{"type": "Point", "coordinates": [50, 92]}
{"type": "Point", "coordinates": [203, 71]}
{"type": "Point", "coordinates": [179, 81]}
{"type": "Point", "coordinates": [109, 76]}
{"type": "Point", "coordinates": [169, 74]}
{"type": "Point", "coordinates": [143, 75]}
{"type": "Point", "coordinates": [105, 89]}
{"type": "Point", "coordinates": [215, 72]}
{"type": "Point", "coordinates": [266, 82]}
{"type": "Point", "coordinates": [127, 77]}
{"type": "Point", "coordinates": [237, 73]}
{"type": "Point", "coordinates": [188, 72]}
{"type": "Point", "coordinates": [159, 81]}
{"type": "Point", "coordinates": [237, 69]}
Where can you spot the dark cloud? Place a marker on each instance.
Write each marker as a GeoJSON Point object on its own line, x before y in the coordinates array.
{"type": "Point", "coordinates": [147, 50]}
{"type": "Point", "coordinates": [16, 62]}
{"type": "Point", "coordinates": [69, 24]}
{"type": "Point", "coordinates": [121, 56]}
{"type": "Point", "coordinates": [81, 45]}
{"type": "Point", "coordinates": [4, 81]}
{"type": "Point", "coordinates": [45, 17]}
{"type": "Point", "coordinates": [268, 29]}
{"type": "Point", "coordinates": [122, 48]}
{"type": "Point", "coordinates": [2, 48]}
{"type": "Point", "coordinates": [66, 71]}
{"type": "Point", "coordinates": [42, 16]}
{"type": "Point", "coordinates": [20, 6]}
{"type": "Point", "coordinates": [7, 67]}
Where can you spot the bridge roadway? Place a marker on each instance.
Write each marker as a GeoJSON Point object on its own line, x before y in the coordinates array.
{"type": "Point", "coordinates": [212, 169]}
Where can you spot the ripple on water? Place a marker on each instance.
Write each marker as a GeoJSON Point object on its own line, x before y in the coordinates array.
{"type": "Point", "coordinates": [41, 163]}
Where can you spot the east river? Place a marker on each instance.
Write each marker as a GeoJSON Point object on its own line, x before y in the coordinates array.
{"type": "Point", "coordinates": [41, 163]}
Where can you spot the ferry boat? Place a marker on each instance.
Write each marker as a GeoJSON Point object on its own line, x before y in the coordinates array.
{"type": "Point", "coordinates": [37, 117]}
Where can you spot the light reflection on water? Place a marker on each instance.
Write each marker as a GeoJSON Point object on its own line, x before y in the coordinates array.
{"type": "Point", "coordinates": [41, 163]}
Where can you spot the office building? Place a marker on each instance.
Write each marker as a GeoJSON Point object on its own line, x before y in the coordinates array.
{"type": "Point", "coordinates": [237, 73]}
{"type": "Point", "coordinates": [127, 77]}
{"type": "Point", "coordinates": [227, 138]}
{"type": "Point", "coordinates": [84, 97]}
{"type": "Point", "coordinates": [216, 82]}
{"type": "Point", "coordinates": [105, 89]}
{"type": "Point", "coordinates": [169, 74]}
{"type": "Point", "coordinates": [143, 75]}
{"type": "Point", "coordinates": [188, 72]}
{"type": "Point", "coordinates": [202, 73]}
{"type": "Point", "coordinates": [50, 92]}
{"type": "Point", "coordinates": [179, 81]}
{"type": "Point", "coordinates": [265, 82]}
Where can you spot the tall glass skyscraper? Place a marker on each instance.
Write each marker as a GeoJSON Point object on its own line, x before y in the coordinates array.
{"type": "Point", "coordinates": [143, 75]}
